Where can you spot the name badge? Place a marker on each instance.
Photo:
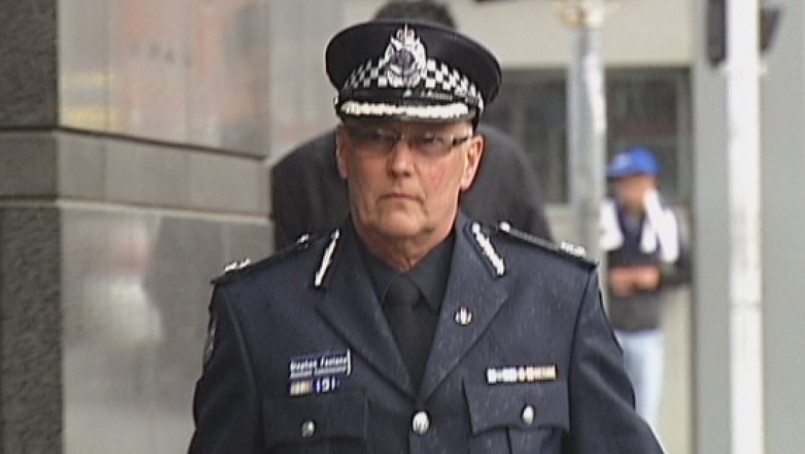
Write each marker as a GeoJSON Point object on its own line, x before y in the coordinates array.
{"type": "Point", "coordinates": [318, 373]}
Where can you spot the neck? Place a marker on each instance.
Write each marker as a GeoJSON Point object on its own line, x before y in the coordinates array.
{"type": "Point", "coordinates": [634, 212]}
{"type": "Point", "coordinates": [402, 253]}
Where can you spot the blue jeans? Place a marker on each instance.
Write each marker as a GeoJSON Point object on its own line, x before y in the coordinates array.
{"type": "Point", "coordinates": [644, 356]}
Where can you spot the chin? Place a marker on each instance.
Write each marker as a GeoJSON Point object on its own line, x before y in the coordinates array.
{"type": "Point", "coordinates": [399, 226]}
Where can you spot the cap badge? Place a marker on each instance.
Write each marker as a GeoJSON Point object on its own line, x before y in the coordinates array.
{"type": "Point", "coordinates": [404, 60]}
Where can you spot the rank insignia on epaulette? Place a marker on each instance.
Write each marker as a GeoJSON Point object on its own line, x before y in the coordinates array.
{"type": "Point", "coordinates": [239, 268]}
{"type": "Point", "coordinates": [563, 248]}
{"type": "Point", "coordinates": [236, 265]}
{"type": "Point", "coordinates": [573, 249]}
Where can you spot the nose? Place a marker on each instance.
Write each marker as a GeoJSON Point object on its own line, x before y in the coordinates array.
{"type": "Point", "coordinates": [401, 159]}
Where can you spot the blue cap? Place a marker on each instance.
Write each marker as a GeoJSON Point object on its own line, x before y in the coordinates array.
{"type": "Point", "coordinates": [634, 161]}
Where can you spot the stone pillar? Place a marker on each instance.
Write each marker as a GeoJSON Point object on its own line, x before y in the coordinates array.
{"type": "Point", "coordinates": [30, 265]}
{"type": "Point", "coordinates": [134, 136]}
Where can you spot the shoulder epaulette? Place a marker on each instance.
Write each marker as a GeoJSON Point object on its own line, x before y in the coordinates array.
{"type": "Point", "coordinates": [244, 267]}
{"type": "Point", "coordinates": [563, 249]}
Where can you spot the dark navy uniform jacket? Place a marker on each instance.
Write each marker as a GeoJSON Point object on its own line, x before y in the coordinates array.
{"type": "Point", "coordinates": [523, 358]}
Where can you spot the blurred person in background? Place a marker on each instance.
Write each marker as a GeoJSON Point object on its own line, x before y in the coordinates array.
{"type": "Point", "coordinates": [308, 196]}
{"type": "Point", "coordinates": [647, 254]}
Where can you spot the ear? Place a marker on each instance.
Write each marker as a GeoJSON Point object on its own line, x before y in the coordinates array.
{"type": "Point", "coordinates": [341, 142]}
{"type": "Point", "coordinates": [472, 160]}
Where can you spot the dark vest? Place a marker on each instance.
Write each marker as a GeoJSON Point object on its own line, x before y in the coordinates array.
{"type": "Point", "coordinates": [642, 310]}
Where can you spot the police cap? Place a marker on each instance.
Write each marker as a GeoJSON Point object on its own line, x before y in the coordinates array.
{"type": "Point", "coordinates": [410, 70]}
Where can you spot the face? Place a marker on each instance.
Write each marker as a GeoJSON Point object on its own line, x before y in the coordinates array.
{"type": "Point", "coordinates": [405, 178]}
{"type": "Point", "coordinates": [632, 189]}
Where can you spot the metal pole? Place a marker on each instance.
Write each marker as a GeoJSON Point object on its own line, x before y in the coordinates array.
{"type": "Point", "coordinates": [586, 121]}
{"type": "Point", "coordinates": [743, 155]}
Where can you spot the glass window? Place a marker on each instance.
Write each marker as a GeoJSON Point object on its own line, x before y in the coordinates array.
{"type": "Point", "coordinates": [649, 107]}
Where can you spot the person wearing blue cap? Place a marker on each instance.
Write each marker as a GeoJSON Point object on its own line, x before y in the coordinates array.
{"type": "Point", "coordinates": [411, 327]}
{"type": "Point", "coordinates": [646, 255]}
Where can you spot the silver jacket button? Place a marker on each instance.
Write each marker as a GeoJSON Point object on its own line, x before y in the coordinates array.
{"type": "Point", "coordinates": [463, 316]}
{"type": "Point", "coordinates": [308, 429]}
{"type": "Point", "coordinates": [528, 415]}
{"type": "Point", "coordinates": [421, 423]}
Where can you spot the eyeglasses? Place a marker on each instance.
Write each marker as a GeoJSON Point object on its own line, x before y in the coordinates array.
{"type": "Point", "coordinates": [428, 144]}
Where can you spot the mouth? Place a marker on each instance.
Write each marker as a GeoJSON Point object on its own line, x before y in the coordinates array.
{"type": "Point", "coordinates": [401, 196]}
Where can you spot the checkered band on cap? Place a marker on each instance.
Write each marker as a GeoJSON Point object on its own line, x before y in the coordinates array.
{"type": "Point", "coordinates": [437, 76]}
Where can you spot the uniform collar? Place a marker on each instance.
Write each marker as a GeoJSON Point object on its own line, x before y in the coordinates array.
{"type": "Point", "coordinates": [350, 304]}
{"type": "Point", "coordinates": [430, 274]}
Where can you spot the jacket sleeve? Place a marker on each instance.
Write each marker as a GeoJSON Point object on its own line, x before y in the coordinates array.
{"type": "Point", "coordinates": [226, 403]}
{"type": "Point", "coordinates": [602, 415]}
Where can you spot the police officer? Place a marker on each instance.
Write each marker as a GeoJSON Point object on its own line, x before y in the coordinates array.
{"type": "Point", "coordinates": [411, 328]}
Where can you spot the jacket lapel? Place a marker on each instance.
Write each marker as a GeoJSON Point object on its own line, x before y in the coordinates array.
{"type": "Point", "coordinates": [472, 288]}
{"type": "Point", "coordinates": [351, 307]}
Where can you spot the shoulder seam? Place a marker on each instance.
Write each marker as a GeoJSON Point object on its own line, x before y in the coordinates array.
{"type": "Point", "coordinates": [245, 267]}
{"type": "Point", "coordinates": [562, 249]}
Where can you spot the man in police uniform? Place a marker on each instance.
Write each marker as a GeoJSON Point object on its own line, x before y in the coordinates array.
{"type": "Point", "coordinates": [411, 328]}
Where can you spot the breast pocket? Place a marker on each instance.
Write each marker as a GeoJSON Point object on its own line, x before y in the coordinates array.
{"type": "Point", "coordinates": [333, 423]}
{"type": "Point", "coordinates": [517, 418]}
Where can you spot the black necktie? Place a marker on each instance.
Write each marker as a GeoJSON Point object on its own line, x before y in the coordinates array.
{"type": "Point", "coordinates": [412, 337]}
